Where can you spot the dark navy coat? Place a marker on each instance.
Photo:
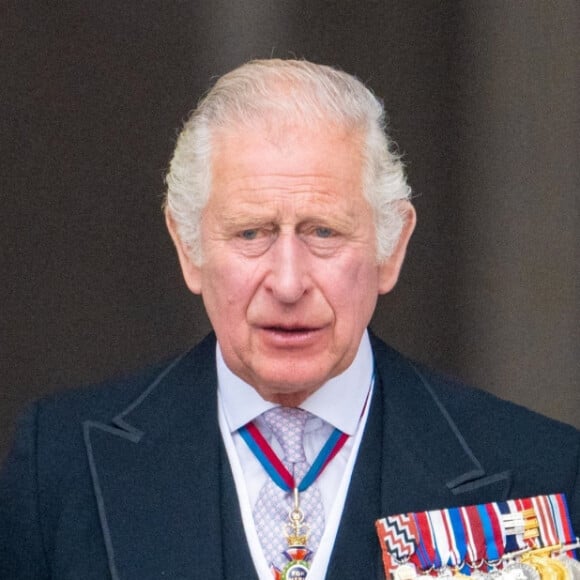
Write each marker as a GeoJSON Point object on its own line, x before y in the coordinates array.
{"type": "Point", "coordinates": [130, 480]}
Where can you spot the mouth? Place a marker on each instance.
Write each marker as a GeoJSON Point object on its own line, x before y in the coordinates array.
{"type": "Point", "coordinates": [289, 329]}
{"type": "Point", "coordinates": [287, 336]}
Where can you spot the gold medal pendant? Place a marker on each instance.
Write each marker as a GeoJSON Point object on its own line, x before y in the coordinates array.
{"type": "Point", "coordinates": [297, 552]}
{"type": "Point", "coordinates": [549, 568]}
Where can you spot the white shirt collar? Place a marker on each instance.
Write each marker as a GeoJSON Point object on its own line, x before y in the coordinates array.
{"type": "Point", "coordinates": [340, 401]}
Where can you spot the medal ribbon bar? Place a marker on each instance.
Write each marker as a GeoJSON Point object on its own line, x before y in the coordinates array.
{"type": "Point", "coordinates": [520, 539]}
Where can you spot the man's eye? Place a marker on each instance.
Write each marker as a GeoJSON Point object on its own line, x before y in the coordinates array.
{"type": "Point", "coordinates": [323, 232]}
{"type": "Point", "coordinates": [249, 234]}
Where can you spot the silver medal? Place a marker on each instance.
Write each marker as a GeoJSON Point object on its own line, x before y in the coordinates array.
{"type": "Point", "coordinates": [405, 572]}
{"type": "Point", "coordinates": [478, 574]}
{"type": "Point", "coordinates": [520, 571]}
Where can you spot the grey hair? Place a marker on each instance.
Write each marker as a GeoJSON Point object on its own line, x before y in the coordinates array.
{"type": "Point", "coordinates": [285, 90]}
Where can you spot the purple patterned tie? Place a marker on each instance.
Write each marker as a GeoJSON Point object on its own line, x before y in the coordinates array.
{"type": "Point", "coordinates": [274, 504]}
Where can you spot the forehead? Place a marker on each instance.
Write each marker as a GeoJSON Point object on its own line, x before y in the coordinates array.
{"type": "Point", "coordinates": [287, 159]}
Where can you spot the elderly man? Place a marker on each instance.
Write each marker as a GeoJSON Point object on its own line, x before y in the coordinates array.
{"type": "Point", "coordinates": [292, 427]}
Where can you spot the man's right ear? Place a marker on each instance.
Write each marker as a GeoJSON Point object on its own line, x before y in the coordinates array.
{"type": "Point", "coordinates": [190, 270]}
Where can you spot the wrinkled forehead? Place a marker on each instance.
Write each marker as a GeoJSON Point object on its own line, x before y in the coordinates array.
{"type": "Point", "coordinates": [285, 170]}
{"type": "Point", "coordinates": [289, 146]}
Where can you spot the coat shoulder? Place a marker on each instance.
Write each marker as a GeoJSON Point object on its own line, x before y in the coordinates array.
{"type": "Point", "coordinates": [472, 407]}
{"type": "Point", "coordinates": [53, 425]}
{"type": "Point", "coordinates": [104, 400]}
{"type": "Point", "coordinates": [541, 455]}
{"type": "Point", "coordinates": [502, 432]}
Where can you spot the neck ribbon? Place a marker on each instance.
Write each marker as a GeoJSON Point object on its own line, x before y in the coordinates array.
{"type": "Point", "coordinates": [277, 470]}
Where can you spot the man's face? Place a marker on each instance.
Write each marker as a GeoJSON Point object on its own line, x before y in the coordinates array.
{"type": "Point", "coordinates": [289, 277]}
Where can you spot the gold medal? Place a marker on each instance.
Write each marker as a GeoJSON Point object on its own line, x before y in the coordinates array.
{"type": "Point", "coordinates": [548, 568]}
{"type": "Point", "coordinates": [296, 529]}
{"type": "Point", "coordinates": [296, 536]}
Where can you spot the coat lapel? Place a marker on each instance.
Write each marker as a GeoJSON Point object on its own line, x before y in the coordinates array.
{"type": "Point", "coordinates": [412, 458]}
{"type": "Point", "coordinates": [237, 560]}
{"type": "Point", "coordinates": [427, 463]}
{"type": "Point", "coordinates": [156, 476]}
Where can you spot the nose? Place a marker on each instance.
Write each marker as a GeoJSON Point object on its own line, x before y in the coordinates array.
{"type": "Point", "coordinates": [288, 278]}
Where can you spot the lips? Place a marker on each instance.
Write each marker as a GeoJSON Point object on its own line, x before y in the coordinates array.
{"type": "Point", "coordinates": [288, 329]}
{"type": "Point", "coordinates": [290, 336]}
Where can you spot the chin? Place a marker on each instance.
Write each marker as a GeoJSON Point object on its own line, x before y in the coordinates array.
{"type": "Point", "coordinates": [292, 384]}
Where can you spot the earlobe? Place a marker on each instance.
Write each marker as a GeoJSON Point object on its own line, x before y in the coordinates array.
{"type": "Point", "coordinates": [190, 270]}
{"type": "Point", "coordinates": [390, 269]}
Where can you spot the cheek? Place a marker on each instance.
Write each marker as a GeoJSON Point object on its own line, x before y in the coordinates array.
{"type": "Point", "coordinates": [352, 288]}
{"type": "Point", "coordinates": [228, 284]}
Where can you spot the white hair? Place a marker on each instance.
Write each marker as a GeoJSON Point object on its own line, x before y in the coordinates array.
{"type": "Point", "coordinates": [285, 90]}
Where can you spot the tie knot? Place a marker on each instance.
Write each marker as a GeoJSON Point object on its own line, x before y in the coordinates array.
{"type": "Point", "coordinates": [287, 424]}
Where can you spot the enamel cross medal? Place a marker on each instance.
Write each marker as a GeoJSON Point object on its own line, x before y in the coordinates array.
{"type": "Point", "coordinates": [295, 531]}
{"type": "Point", "coordinates": [297, 553]}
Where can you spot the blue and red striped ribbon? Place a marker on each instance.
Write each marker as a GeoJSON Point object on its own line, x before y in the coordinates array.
{"type": "Point", "coordinates": [277, 470]}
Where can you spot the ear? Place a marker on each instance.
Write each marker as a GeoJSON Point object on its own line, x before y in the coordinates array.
{"type": "Point", "coordinates": [191, 271]}
{"type": "Point", "coordinates": [390, 269]}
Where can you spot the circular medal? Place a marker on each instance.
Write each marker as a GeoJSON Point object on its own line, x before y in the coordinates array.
{"type": "Point", "coordinates": [572, 565]}
{"type": "Point", "coordinates": [561, 569]}
{"type": "Point", "coordinates": [496, 574]}
{"type": "Point", "coordinates": [548, 568]}
{"type": "Point", "coordinates": [405, 572]}
{"type": "Point", "coordinates": [478, 574]}
{"type": "Point", "coordinates": [520, 571]}
{"type": "Point", "coordinates": [295, 570]}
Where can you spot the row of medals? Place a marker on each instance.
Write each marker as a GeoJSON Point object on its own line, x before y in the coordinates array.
{"type": "Point", "coordinates": [549, 563]}
{"type": "Point", "coordinates": [532, 563]}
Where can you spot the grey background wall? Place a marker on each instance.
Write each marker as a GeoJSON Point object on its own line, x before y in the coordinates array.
{"type": "Point", "coordinates": [482, 99]}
